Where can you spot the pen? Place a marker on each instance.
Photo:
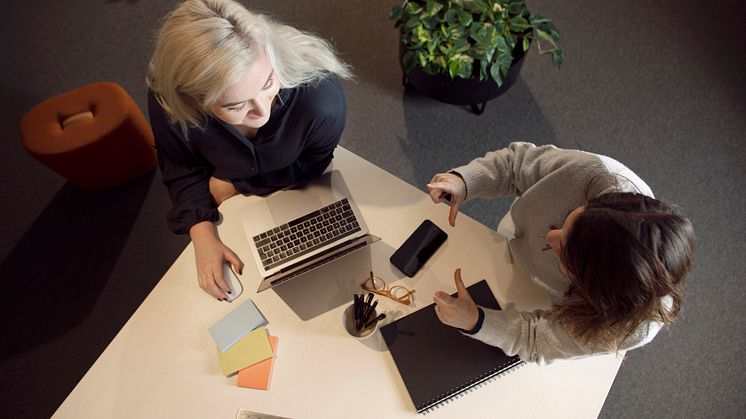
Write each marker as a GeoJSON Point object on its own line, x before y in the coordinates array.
{"type": "Point", "coordinates": [358, 310]}
{"type": "Point", "coordinates": [370, 312]}
{"type": "Point", "coordinates": [366, 308]}
{"type": "Point", "coordinates": [374, 320]}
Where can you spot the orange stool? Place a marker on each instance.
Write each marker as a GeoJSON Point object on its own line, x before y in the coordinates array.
{"type": "Point", "coordinates": [95, 136]}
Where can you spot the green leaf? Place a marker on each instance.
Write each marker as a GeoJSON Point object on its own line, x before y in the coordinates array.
{"type": "Point", "coordinates": [483, 69]}
{"type": "Point", "coordinates": [395, 12]}
{"type": "Point", "coordinates": [412, 22]}
{"type": "Point", "coordinates": [504, 61]}
{"type": "Point", "coordinates": [412, 8]}
{"type": "Point", "coordinates": [551, 29]}
{"type": "Point", "coordinates": [526, 43]}
{"type": "Point", "coordinates": [466, 70]}
{"type": "Point", "coordinates": [510, 39]}
{"type": "Point", "coordinates": [495, 73]}
{"type": "Point", "coordinates": [451, 16]}
{"type": "Point", "coordinates": [455, 68]}
{"type": "Point", "coordinates": [422, 59]}
{"type": "Point", "coordinates": [476, 27]}
{"type": "Point", "coordinates": [516, 8]}
{"type": "Point", "coordinates": [546, 37]}
{"type": "Point", "coordinates": [502, 46]}
{"type": "Point", "coordinates": [476, 6]}
{"type": "Point", "coordinates": [441, 62]}
{"type": "Point", "coordinates": [479, 37]}
{"type": "Point", "coordinates": [485, 36]}
{"type": "Point", "coordinates": [433, 43]}
{"type": "Point", "coordinates": [489, 52]}
{"type": "Point", "coordinates": [431, 24]}
{"type": "Point", "coordinates": [433, 68]}
{"type": "Point", "coordinates": [500, 26]}
{"type": "Point", "coordinates": [423, 35]}
{"type": "Point", "coordinates": [461, 45]}
{"type": "Point", "coordinates": [465, 19]}
{"type": "Point", "coordinates": [539, 19]}
{"type": "Point", "coordinates": [519, 24]}
{"type": "Point", "coordinates": [433, 7]}
{"type": "Point", "coordinates": [557, 57]}
{"type": "Point", "coordinates": [504, 56]}
{"type": "Point", "coordinates": [409, 60]}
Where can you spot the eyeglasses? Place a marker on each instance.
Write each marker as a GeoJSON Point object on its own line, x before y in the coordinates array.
{"type": "Point", "coordinates": [378, 286]}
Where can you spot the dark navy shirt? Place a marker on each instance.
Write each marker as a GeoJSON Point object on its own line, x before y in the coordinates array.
{"type": "Point", "coordinates": [295, 145]}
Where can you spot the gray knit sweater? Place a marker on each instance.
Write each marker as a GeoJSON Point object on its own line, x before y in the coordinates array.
{"type": "Point", "coordinates": [548, 182]}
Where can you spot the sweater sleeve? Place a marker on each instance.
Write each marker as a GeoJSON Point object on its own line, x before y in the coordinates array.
{"type": "Point", "coordinates": [536, 336]}
{"type": "Point", "coordinates": [512, 170]}
{"type": "Point", "coordinates": [186, 178]}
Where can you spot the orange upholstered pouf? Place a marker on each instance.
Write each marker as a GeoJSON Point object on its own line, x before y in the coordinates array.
{"type": "Point", "coordinates": [95, 136]}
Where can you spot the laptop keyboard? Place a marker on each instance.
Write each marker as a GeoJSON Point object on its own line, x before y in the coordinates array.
{"type": "Point", "coordinates": [306, 234]}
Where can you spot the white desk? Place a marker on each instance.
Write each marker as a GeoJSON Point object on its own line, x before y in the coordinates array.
{"type": "Point", "coordinates": [163, 363]}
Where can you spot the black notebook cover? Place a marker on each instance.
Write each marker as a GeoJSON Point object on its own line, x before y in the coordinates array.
{"type": "Point", "coordinates": [436, 361]}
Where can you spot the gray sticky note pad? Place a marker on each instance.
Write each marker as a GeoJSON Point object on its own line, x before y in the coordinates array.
{"type": "Point", "coordinates": [236, 324]}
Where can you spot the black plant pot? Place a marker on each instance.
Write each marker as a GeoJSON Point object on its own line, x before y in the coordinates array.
{"type": "Point", "coordinates": [472, 92]}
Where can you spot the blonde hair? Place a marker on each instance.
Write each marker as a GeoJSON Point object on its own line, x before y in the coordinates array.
{"type": "Point", "coordinates": [204, 46]}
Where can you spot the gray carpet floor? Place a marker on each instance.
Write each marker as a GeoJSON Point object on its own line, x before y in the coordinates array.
{"type": "Point", "coordinates": [658, 85]}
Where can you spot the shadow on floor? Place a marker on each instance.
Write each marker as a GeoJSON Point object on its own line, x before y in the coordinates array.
{"type": "Point", "coordinates": [53, 276]}
{"type": "Point", "coordinates": [439, 134]}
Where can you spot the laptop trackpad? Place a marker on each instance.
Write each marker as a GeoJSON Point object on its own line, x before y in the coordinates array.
{"type": "Point", "coordinates": [291, 204]}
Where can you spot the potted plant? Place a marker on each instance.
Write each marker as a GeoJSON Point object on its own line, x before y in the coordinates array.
{"type": "Point", "coordinates": [466, 52]}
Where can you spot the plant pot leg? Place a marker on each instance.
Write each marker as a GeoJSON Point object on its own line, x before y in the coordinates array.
{"type": "Point", "coordinates": [477, 109]}
{"type": "Point", "coordinates": [405, 81]}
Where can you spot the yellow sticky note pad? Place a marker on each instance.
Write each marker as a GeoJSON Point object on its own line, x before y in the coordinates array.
{"type": "Point", "coordinates": [250, 349]}
{"type": "Point", "coordinates": [258, 375]}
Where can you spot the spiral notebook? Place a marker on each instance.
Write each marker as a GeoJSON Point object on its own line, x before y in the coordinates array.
{"type": "Point", "coordinates": [437, 362]}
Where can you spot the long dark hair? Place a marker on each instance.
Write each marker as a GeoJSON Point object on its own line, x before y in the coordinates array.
{"type": "Point", "coordinates": [623, 253]}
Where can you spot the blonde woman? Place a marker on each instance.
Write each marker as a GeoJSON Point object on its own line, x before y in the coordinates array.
{"type": "Point", "coordinates": [238, 104]}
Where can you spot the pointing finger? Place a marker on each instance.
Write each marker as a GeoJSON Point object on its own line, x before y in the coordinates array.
{"type": "Point", "coordinates": [454, 211]}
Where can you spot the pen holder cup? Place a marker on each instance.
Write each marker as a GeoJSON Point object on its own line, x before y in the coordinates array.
{"type": "Point", "coordinates": [348, 321]}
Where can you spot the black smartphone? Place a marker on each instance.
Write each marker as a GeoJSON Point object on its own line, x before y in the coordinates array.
{"type": "Point", "coordinates": [418, 248]}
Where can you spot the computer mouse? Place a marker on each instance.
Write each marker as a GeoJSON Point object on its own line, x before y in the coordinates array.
{"type": "Point", "coordinates": [233, 282]}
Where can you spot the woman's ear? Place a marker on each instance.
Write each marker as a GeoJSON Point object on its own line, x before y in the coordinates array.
{"type": "Point", "coordinates": [554, 240]}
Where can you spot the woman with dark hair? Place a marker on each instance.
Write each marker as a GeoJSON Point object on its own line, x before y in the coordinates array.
{"type": "Point", "coordinates": [618, 262]}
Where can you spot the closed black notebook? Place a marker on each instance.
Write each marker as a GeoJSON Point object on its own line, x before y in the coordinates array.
{"type": "Point", "coordinates": [436, 361]}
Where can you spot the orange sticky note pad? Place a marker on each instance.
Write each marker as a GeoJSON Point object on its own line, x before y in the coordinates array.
{"type": "Point", "coordinates": [258, 375]}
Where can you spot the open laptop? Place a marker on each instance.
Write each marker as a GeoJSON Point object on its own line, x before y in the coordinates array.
{"type": "Point", "coordinates": [297, 230]}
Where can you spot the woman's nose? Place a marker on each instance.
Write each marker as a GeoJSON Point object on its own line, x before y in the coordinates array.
{"type": "Point", "coordinates": [258, 108]}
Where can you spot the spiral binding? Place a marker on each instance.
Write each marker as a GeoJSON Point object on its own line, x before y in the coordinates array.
{"type": "Point", "coordinates": [479, 382]}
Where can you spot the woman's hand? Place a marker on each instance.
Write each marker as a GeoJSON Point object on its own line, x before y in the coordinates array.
{"type": "Point", "coordinates": [460, 312]}
{"type": "Point", "coordinates": [444, 184]}
{"type": "Point", "coordinates": [211, 255]}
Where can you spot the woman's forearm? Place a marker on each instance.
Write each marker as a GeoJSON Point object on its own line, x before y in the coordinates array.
{"type": "Point", "coordinates": [202, 232]}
